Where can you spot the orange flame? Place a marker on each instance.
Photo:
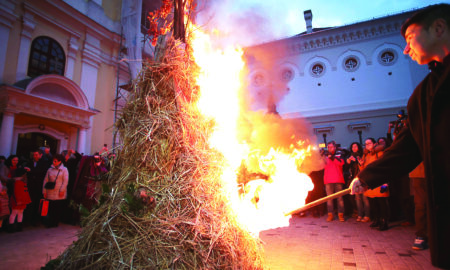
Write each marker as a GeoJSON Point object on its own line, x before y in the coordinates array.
{"type": "Point", "coordinates": [259, 204]}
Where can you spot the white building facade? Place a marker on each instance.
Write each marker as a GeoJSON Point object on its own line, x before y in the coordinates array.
{"type": "Point", "coordinates": [349, 82]}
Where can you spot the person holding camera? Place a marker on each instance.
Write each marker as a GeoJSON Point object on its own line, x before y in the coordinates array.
{"type": "Point", "coordinates": [425, 137]}
{"type": "Point", "coordinates": [55, 190]}
{"type": "Point", "coordinates": [334, 180]}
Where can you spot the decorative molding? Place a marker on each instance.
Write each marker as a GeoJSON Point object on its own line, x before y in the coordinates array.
{"type": "Point", "coordinates": [91, 53]}
{"type": "Point", "coordinates": [323, 129]}
{"type": "Point", "coordinates": [69, 85]}
{"type": "Point", "coordinates": [361, 125]}
{"type": "Point", "coordinates": [337, 36]}
{"type": "Point", "coordinates": [28, 25]}
{"type": "Point", "coordinates": [7, 16]}
{"type": "Point", "coordinates": [99, 29]}
{"type": "Point", "coordinates": [19, 101]}
{"type": "Point", "coordinates": [31, 9]}
{"type": "Point", "coordinates": [73, 48]}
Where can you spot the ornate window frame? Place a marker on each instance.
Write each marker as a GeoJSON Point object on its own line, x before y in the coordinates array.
{"type": "Point", "coordinates": [47, 56]}
{"type": "Point", "coordinates": [316, 71]}
{"type": "Point", "coordinates": [386, 61]}
{"type": "Point", "coordinates": [350, 68]}
{"type": "Point", "coordinates": [286, 74]}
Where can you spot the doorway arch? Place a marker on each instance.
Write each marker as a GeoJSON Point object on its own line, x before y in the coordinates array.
{"type": "Point", "coordinates": [29, 142]}
{"type": "Point", "coordinates": [57, 140]}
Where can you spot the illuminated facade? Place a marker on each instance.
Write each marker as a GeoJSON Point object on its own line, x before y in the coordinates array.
{"type": "Point", "coordinates": [348, 81]}
{"type": "Point", "coordinates": [59, 74]}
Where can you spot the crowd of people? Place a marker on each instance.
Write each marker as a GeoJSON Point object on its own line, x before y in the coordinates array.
{"type": "Point", "coordinates": [378, 206]}
{"type": "Point", "coordinates": [48, 189]}
{"type": "Point", "coordinates": [419, 149]}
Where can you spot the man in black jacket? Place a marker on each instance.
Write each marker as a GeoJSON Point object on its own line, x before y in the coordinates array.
{"type": "Point", "coordinates": [426, 135]}
{"type": "Point", "coordinates": [37, 169]}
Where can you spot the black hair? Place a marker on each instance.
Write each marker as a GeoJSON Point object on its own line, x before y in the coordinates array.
{"type": "Point", "coordinates": [8, 162]}
{"type": "Point", "coordinates": [39, 151]}
{"type": "Point", "coordinates": [360, 148]}
{"type": "Point", "coordinates": [332, 142]}
{"type": "Point", "coordinates": [427, 16]}
{"type": "Point", "coordinates": [58, 157]}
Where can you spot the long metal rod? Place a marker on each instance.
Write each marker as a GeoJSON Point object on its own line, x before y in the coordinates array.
{"type": "Point", "coordinates": [320, 201]}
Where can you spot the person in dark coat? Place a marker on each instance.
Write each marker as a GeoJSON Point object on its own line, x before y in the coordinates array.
{"type": "Point", "coordinates": [71, 161]}
{"type": "Point", "coordinates": [425, 137]}
{"type": "Point", "coordinates": [37, 168]}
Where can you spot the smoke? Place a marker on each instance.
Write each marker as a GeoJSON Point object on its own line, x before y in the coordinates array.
{"type": "Point", "coordinates": [249, 22]}
{"type": "Point", "coordinates": [245, 23]}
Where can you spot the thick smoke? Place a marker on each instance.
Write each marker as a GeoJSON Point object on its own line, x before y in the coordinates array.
{"type": "Point", "coordinates": [245, 23]}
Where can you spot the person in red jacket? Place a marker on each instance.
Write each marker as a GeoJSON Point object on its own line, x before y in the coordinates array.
{"type": "Point", "coordinates": [19, 200]}
{"type": "Point", "coordinates": [334, 180]}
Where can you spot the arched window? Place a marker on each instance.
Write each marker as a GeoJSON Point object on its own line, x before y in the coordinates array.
{"type": "Point", "coordinates": [46, 57]}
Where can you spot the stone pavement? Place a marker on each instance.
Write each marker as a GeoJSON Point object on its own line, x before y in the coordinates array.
{"type": "Point", "coordinates": [313, 243]}
{"type": "Point", "coordinates": [308, 243]}
{"type": "Point", "coordinates": [34, 246]}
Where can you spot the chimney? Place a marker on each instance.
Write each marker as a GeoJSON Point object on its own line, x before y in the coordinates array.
{"type": "Point", "coordinates": [308, 20]}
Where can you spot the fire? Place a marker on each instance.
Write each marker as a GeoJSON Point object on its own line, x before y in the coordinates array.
{"type": "Point", "coordinates": [260, 203]}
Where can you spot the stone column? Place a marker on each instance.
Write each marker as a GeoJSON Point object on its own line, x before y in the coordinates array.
{"type": "Point", "coordinates": [81, 147]}
{"type": "Point", "coordinates": [71, 57]}
{"type": "Point", "coordinates": [6, 134]}
{"type": "Point", "coordinates": [28, 25]}
{"type": "Point", "coordinates": [91, 59]}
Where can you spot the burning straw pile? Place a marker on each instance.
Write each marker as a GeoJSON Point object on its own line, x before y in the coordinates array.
{"type": "Point", "coordinates": [165, 208]}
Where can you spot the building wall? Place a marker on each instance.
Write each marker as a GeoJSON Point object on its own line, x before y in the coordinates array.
{"type": "Point", "coordinates": [339, 101]}
{"type": "Point", "coordinates": [90, 40]}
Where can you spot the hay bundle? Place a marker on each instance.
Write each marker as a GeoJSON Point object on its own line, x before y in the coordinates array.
{"type": "Point", "coordinates": [165, 157]}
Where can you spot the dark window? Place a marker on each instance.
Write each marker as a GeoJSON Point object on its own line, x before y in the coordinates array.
{"type": "Point", "coordinates": [46, 57]}
{"type": "Point", "coordinates": [317, 69]}
{"type": "Point", "coordinates": [387, 57]}
{"type": "Point", "coordinates": [351, 63]}
{"type": "Point", "coordinates": [287, 74]}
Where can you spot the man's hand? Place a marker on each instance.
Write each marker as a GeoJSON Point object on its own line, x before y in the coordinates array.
{"type": "Point", "coordinates": [357, 187]}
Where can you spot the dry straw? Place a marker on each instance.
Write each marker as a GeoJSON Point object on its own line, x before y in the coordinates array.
{"type": "Point", "coordinates": [164, 151]}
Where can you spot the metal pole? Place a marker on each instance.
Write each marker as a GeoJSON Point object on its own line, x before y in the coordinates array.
{"type": "Point", "coordinates": [320, 201]}
{"type": "Point", "coordinates": [116, 100]}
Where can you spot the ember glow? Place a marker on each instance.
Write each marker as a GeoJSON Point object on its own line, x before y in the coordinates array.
{"type": "Point", "coordinates": [258, 203]}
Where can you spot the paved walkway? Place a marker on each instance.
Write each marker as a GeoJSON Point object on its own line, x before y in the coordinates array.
{"type": "Point", "coordinates": [308, 243]}
{"type": "Point", "coordinates": [34, 246]}
{"type": "Point", "coordinates": [313, 243]}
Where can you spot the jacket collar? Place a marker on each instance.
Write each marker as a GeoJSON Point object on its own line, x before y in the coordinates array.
{"type": "Point", "coordinates": [439, 67]}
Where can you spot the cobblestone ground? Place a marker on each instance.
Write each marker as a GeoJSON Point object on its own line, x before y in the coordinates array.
{"type": "Point", "coordinates": [314, 243]}
{"type": "Point", "coordinates": [308, 243]}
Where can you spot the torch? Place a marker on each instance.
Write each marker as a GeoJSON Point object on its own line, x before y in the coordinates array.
{"type": "Point", "coordinates": [320, 201]}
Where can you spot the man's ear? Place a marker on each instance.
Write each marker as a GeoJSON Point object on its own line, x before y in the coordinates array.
{"type": "Point", "coordinates": [439, 27]}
